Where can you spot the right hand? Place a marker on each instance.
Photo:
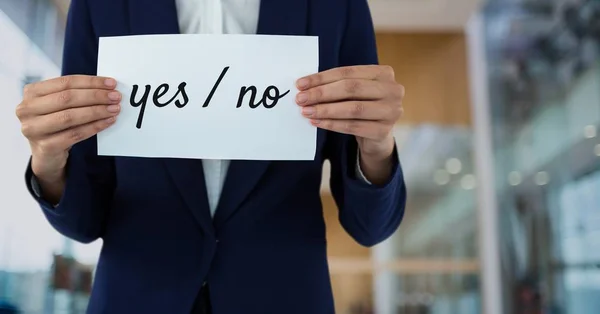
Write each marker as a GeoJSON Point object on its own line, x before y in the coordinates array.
{"type": "Point", "coordinates": [58, 113]}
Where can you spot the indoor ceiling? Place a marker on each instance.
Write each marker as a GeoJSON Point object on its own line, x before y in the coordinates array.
{"type": "Point", "coordinates": [408, 15]}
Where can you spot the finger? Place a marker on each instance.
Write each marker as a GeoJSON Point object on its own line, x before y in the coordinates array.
{"type": "Point", "coordinates": [350, 89]}
{"type": "Point", "coordinates": [68, 82]}
{"type": "Point", "coordinates": [362, 128]}
{"type": "Point", "coordinates": [67, 119]}
{"type": "Point", "coordinates": [71, 98]}
{"type": "Point", "coordinates": [367, 72]}
{"type": "Point", "coordinates": [354, 110]}
{"type": "Point", "coordinates": [67, 138]}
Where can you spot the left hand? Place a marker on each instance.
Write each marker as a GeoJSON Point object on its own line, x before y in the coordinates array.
{"type": "Point", "coordinates": [364, 101]}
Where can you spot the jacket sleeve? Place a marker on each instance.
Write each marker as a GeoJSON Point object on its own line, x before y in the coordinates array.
{"type": "Point", "coordinates": [369, 213]}
{"type": "Point", "coordinates": [81, 212]}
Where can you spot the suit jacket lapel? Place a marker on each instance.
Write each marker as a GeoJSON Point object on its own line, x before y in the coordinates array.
{"type": "Point", "coordinates": [287, 17]}
{"type": "Point", "coordinates": [149, 17]}
{"type": "Point", "coordinates": [277, 17]}
{"type": "Point", "coordinates": [188, 177]}
{"type": "Point", "coordinates": [160, 17]}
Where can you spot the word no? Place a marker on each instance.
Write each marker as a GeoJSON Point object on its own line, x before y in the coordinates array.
{"type": "Point", "coordinates": [271, 94]}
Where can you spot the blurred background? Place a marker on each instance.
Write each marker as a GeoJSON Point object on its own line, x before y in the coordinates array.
{"type": "Point", "coordinates": [499, 145]}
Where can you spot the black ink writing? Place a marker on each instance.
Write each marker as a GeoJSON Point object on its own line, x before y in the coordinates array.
{"type": "Point", "coordinates": [269, 98]}
{"type": "Point", "coordinates": [158, 93]}
{"type": "Point", "coordinates": [266, 95]}
{"type": "Point", "coordinates": [214, 89]}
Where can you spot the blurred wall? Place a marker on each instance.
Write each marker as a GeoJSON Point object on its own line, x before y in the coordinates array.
{"type": "Point", "coordinates": [433, 68]}
{"type": "Point", "coordinates": [350, 279]}
{"type": "Point", "coordinates": [41, 21]}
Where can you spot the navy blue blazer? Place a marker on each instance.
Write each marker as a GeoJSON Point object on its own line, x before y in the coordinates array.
{"type": "Point", "coordinates": [265, 250]}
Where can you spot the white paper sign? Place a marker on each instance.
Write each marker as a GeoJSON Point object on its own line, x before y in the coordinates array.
{"type": "Point", "coordinates": [209, 96]}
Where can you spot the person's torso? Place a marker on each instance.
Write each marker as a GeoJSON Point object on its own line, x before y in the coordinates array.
{"type": "Point", "coordinates": [266, 239]}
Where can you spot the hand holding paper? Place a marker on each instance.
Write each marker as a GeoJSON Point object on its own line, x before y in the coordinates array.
{"type": "Point", "coordinates": [364, 101]}
{"type": "Point", "coordinates": [209, 96]}
{"type": "Point", "coordinates": [58, 113]}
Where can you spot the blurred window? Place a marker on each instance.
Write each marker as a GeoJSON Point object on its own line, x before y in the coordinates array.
{"type": "Point", "coordinates": [28, 245]}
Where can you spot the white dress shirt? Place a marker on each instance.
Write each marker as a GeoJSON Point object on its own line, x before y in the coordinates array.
{"type": "Point", "coordinates": [217, 17]}
{"type": "Point", "coordinates": [220, 17]}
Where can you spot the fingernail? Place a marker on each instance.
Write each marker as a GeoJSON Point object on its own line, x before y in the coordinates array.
{"type": "Point", "coordinates": [110, 82]}
{"type": "Point", "coordinates": [315, 122]}
{"type": "Point", "coordinates": [110, 120]}
{"type": "Point", "coordinates": [302, 98]}
{"type": "Point", "coordinates": [308, 111]}
{"type": "Point", "coordinates": [113, 108]}
{"type": "Point", "coordinates": [114, 95]}
{"type": "Point", "coordinates": [302, 83]}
